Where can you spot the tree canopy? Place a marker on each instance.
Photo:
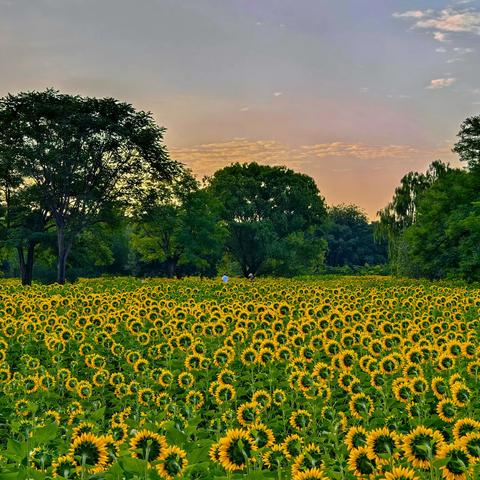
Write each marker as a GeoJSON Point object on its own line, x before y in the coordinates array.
{"type": "Point", "coordinates": [433, 221]}
{"type": "Point", "coordinates": [274, 216]}
{"type": "Point", "coordinates": [351, 240]}
{"type": "Point", "coordinates": [82, 154]}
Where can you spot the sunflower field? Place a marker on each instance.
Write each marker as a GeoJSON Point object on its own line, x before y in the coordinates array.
{"type": "Point", "coordinates": [342, 378]}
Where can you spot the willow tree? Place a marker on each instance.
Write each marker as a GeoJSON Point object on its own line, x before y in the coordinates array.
{"type": "Point", "coordinates": [83, 154]}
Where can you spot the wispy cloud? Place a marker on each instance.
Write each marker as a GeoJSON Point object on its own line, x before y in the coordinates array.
{"type": "Point", "coordinates": [463, 51]}
{"type": "Point", "coordinates": [204, 159]}
{"type": "Point", "coordinates": [441, 83]}
{"type": "Point", "coordinates": [277, 94]}
{"type": "Point", "coordinates": [410, 14]}
{"type": "Point", "coordinates": [441, 22]}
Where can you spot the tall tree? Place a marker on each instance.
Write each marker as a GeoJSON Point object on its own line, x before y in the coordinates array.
{"type": "Point", "coordinates": [272, 214]}
{"type": "Point", "coordinates": [468, 145]}
{"type": "Point", "coordinates": [350, 238]}
{"type": "Point", "coordinates": [445, 239]}
{"type": "Point", "coordinates": [82, 154]}
{"type": "Point", "coordinates": [181, 226]}
{"type": "Point", "coordinates": [401, 212]}
{"type": "Point", "coordinates": [23, 222]}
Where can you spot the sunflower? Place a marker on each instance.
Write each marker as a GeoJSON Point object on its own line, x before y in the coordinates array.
{"type": "Point", "coordinates": [145, 396]}
{"type": "Point", "coordinates": [458, 464]}
{"type": "Point", "coordinates": [460, 394]}
{"type": "Point", "coordinates": [90, 452]}
{"type": "Point", "coordinates": [401, 473]}
{"type": "Point", "coordinates": [41, 458]}
{"type": "Point", "coordinates": [356, 437]}
{"type": "Point", "coordinates": [275, 458]}
{"type": "Point", "coordinates": [52, 416]}
{"type": "Point", "coordinates": [214, 453]}
{"type": "Point", "coordinates": [249, 356]}
{"type": "Point", "coordinates": [465, 426]}
{"type": "Point", "coordinates": [195, 398]}
{"type": "Point", "coordinates": [224, 393]}
{"type": "Point", "coordinates": [113, 449]}
{"type": "Point", "coordinates": [235, 449]}
{"type": "Point", "coordinates": [310, 474]}
{"type": "Point", "coordinates": [165, 378]}
{"type": "Point", "coordinates": [173, 464]}
{"type": "Point", "coordinates": [309, 458]}
{"type": "Point", "coordinates": [83, 427]}
{"type": "Point", "coordinates": [446, 410]}
{"type": "Point", "coordinates": [119, 432]}
{"type": "Point", "coordinates": [382, 441]}
{"type": "Point", "coordinates": [471, 442]}
{"type": "Point", "coordinates": [361, 406]}
{"type": "Point", "coordinates": [439, 387]}
{"type": "Point", "coordinates": [186, 380]}
{"type": "Point", "coordinates": [300, 419]}
{"type": "Point", "coordinates": [361, 463]}
{"type": "Point", "coordinates": [247, 413]}
{"type": "Point", "coordinates": [292, 446]}
{"type": "Point", "coordinates": [278, 397]}
{"type": "Point", "coordinates": [263, 398]}
{"type": "Point", "coordinates": [421, 446]}
{"type": "Point", "coordinates": [64, 467]}
{"type": "Point", "coordinates": [148, 445]}
{"type": "Point", "coordinates": [261, 435]}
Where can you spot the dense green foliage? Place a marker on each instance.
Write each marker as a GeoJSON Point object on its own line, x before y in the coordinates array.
{"type": "Point", "coordinates": [88, 184]}
{"type": "Point", "coordinates": [275, 218]}
{"type": "Point", "coordinates": [351, 239]}
{"type": "Point", "coordinates": [433, 222]}
{"type": "Point", "coordinates": [74, 158]}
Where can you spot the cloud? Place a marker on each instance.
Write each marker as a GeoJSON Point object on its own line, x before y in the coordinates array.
{"type": "Point", "coordinates": [410, 14]}
{"type": "Point", "coordinates": [442, 22]}
{"type": "Point", "coordinates": [205, 159]}
{"type": "Point", "coordinates": [245, 109]}
{"type": "Point", "coordinates": [463, 51]}
{"type": "Point", "coordinates": [441, 83]}
{"type": "Point", "coordinates": [277, 94]}
{"type": "Point", "coordinates": [440, 36]}
{"type": "Point", "coordinates": [450, 20]}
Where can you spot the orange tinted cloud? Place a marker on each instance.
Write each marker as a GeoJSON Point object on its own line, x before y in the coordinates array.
{"type": "Point", "coordinates": [360, 173]}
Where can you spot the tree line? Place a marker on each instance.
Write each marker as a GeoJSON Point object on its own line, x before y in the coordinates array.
{"type": "Point", "coordinates": [432, 224]}
{"type": "Point", "coordinates": [88, 187]}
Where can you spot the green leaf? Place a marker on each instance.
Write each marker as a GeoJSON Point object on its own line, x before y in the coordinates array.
{"type": "Point", "coordinates": [16, 450]}
{"type": "Point", "coordinates": [132, 465]}
{"type": "Point", "coordinates": [44, 434]}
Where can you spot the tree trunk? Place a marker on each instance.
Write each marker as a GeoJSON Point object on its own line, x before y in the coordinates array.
{"type": "Point", "coordinates": [171, 266]}
{"type": "Point", "coordinates": [29, 264]}
{"type": "Point", "coordinates": [21, 263]}
{"type": "Point", "coordinates": [62, 255]}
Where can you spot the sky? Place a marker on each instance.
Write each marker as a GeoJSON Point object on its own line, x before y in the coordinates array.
{"type": "Point", "coordinates": [355, 94]}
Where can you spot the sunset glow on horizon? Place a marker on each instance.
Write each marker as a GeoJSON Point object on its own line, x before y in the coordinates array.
{"type": "Point", "coordinates": [355, 94]}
